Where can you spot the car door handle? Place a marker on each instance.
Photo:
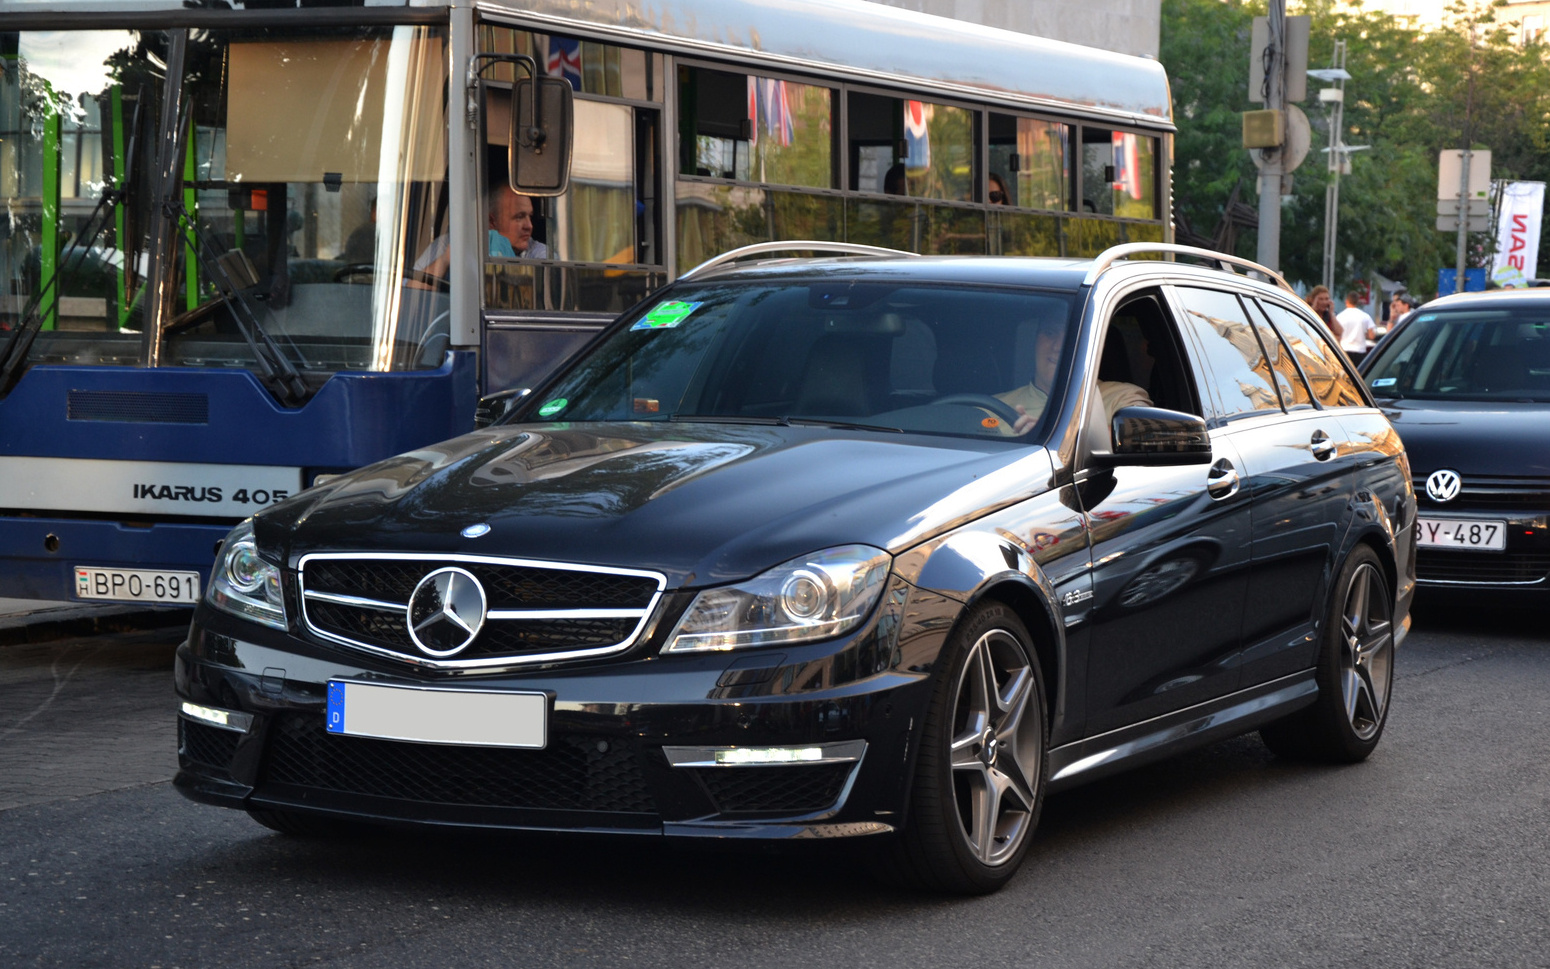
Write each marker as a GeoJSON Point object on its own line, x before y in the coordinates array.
{"type": "Point", "coordinates": [1322, 447]}
{"type": "Point", "coordinates": [1222, 480]}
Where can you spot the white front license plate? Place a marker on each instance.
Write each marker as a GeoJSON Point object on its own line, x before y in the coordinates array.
{"type": "Point", "coordinates": [136, 585]}
{"type": "Point", "coordinates": [1459, 533]}
{"type": "Point", "coordinates": [430, 716]}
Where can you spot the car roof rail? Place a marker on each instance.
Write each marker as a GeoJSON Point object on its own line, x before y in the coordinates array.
{"type": "Point", "coordinates": [760, 248]}
{"type": "Point", "coordinates": [1224, 262]}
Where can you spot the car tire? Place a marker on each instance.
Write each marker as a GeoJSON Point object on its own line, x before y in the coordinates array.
{"type": "Point", "coordinates": [980, 774]}
{"type": "Point", "coordinates": [1355, 671]}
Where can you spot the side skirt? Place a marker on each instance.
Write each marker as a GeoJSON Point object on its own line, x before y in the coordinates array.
{"type": "Point", "coordinates": [1161, 737]}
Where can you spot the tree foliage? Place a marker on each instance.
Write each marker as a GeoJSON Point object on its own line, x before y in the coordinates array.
{"type": "Point", "coordinates": [1413, 92]}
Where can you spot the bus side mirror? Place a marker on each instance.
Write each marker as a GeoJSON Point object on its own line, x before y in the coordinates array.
{"type": "Point", "coordinates": [538, 152]}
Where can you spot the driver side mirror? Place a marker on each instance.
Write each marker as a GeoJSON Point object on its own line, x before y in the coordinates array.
{"type": "Point", "coordinates": [1155, 437]}
{"type": "Point", "coordinates": [539, 140]}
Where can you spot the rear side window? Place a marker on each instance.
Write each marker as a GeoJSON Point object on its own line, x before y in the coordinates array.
{"type": "Point", "coordinates": [1294, 391]}
{"type": "Point", "coordinates": [1237, 366]}
{"type": "Point", "coordinates": [1319, 359]}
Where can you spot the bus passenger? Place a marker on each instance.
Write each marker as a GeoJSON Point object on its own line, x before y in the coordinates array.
{"type": "Point", "coordinates": [997, 194]}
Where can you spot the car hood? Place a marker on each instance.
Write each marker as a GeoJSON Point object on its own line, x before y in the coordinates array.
{"type": "Point", "coordinates": [1489, 438]}
{"type": "Point", "coordinates": [702, 503]}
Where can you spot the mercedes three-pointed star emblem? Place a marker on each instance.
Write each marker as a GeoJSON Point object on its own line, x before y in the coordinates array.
{"type": "Point", "coordinates": [1443, 485]}
{"type": "Point", "coordinates": [446, 612]}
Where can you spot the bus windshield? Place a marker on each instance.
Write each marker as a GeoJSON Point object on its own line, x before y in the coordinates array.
{"type": "Point", "coordinates": [313, 176]}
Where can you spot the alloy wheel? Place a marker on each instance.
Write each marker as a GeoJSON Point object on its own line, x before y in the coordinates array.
{"type": "Point", "coordinates": [1367, 651]}
{"type": "Point", "coordinates": [997, 748]}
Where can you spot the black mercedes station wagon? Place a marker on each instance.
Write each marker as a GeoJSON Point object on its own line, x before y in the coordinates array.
{"type": "Point", "coordinates": [1466, 382]}
{"type": "Point", "coordinates": [881, 548]}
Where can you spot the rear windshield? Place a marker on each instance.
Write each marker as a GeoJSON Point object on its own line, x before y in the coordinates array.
{"type": "Point", "coordinates": [1494, 354]}
{"type": "Point", "coordinates": [931, 359]}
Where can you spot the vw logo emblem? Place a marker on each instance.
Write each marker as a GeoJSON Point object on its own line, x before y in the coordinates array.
{"type": "Point", "coordinates": [475, 531]}
{"type": "Point", "coordinates": [1443, 485]}
{"type": "Point", "coordinates": [446, 612]}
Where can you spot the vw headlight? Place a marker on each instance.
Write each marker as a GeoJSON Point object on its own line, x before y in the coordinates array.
{"type": "Point", "coordinates": [814, 597]}
{"type": "Point", "coordinates": [243, 584]}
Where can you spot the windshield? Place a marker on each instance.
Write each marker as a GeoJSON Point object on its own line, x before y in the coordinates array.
{"type": "Point", "coordinates": [1469, 354]}
{"type": "Point", "coordinates": [934, 359]}
{"type": "Point", "coordinates": [313, 175]}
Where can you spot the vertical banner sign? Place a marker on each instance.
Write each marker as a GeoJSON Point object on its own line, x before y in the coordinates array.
{"type": "Point", "coordinates": [1517, 233]}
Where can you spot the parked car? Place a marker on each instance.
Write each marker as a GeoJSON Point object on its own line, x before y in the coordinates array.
{"type": "Point", "coordinates": [830, 548]}
{"type": "Point", "coordinates": [1466, 382]}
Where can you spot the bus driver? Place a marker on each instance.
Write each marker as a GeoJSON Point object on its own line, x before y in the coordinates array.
{"type": "Point", "coordinates": [511, 233]}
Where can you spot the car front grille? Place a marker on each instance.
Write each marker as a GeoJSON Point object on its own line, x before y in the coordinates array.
{"type": "Point", "coordinates": [574, 773]}
{"type": "Point", "coordinates": [1483, 493]}
{"type": "Point", "coordinates": [775, 790]}
{"type": "Point", "coordinates": [1481, 568]}
{"type": "Point", "coordinates": [536, 611]}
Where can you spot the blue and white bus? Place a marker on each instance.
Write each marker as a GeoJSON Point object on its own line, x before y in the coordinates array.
{"type": "Point", "coordinates": [250, 244]}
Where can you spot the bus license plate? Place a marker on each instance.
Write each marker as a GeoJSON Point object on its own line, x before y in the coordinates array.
{"type": "Point", "coordinates": [137, 585]}
{"type": "Point", "coordinates": [1461, 533]}
{"type": "Point", "coordinates": [476, 718]}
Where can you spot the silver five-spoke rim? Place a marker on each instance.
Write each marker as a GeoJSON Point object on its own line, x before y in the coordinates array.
{"type": "Point", "coordinates": [997, 747]}
{"type": "Point", "coordinates": [1367, 651]}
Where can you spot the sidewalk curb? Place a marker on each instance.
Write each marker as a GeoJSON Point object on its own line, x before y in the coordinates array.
{"type": "Point", "coordinates": [51, 624]}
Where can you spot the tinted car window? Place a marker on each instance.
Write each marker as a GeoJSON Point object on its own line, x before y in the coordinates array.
{"type": "Point", "coordinates": [1318, 358]}
{"type": "Point", "coordinates": [1468, 354]}
{"type": "Point", "coordinates": [1294, 390]}
{"type": "Point", "coordinates": [935, 359]}
{"type": "Point", "coordinates": [1237, 361]}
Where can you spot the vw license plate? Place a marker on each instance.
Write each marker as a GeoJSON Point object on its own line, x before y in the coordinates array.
{"type": "Point", "coordinates": [137, 585]}
{"type": "Point", "coordinates": [430, 716]}
{"type": "Point", "coordinates": [1461, 533]}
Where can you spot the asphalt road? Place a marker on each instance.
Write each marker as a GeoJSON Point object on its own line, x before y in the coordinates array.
{"type": "Point", "coordinates": [1430, 854]}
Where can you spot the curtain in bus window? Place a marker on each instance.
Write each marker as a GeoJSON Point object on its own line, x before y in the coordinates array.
{"type": "Point", "coordinates": [68, 106]}
{"type": "Point", "coordinates": [595, 219]}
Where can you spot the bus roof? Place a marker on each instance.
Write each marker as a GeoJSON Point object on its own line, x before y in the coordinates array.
{"type": "Point", "coordinates": [871, 42]}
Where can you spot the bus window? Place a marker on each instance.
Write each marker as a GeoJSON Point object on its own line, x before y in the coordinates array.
{"type": "Point", "coordinates": [1119, 173]}
{"type": "Point", "coordinates": [755, 129]}
{"type": "Point", "coordinates": [915, 148]}
{"type": "Point", "coordinates": [69, 105]}
{"type": "Point", "coordinates": [1028, 162]}
{"type": "Point", "coordinates": [592, 68]}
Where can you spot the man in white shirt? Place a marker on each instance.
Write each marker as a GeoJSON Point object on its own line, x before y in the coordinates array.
{"type": "Point", "coordinates": [1356, 329]}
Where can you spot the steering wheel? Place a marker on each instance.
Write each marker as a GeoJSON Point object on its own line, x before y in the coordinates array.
{"type": "Point", "coordinates": [354, 271]}
{"type": "Point", "coordinates": [995, 405]}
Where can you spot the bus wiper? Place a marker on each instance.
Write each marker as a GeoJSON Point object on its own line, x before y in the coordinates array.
{"type": "Point", "coordinates": [14, 355]}
{"type": "Point", "coordinates": [275, 368]}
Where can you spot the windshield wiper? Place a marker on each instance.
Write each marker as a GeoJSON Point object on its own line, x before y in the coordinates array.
{"type": "Point", "coordinates": [841, 425]}
{"type": "Point", "coordinates": [14, 355]}
{"type": "Point", "coordinates": [274, 367]}
{"type": "Point", "coordinates": [780, 422]}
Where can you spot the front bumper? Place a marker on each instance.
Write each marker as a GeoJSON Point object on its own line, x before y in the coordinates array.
{"type": "Point", "coordinates": [617, 734]}
{"type": "Point", "coordinates": [1522, 567]}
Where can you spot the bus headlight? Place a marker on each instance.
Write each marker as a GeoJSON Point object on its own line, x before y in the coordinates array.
{"type": "Point", "coordinates": [817, 596]}
{"type": "Point", "coordinates": [243, 584]}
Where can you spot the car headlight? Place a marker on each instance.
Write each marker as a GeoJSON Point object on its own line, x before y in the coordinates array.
{"type": "Point", "coordinates": [814, 597]}
{"type": "Point", "coordinates": [244, 584]}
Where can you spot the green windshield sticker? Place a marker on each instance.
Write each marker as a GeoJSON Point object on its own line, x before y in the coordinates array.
{"type": "Point", "coordinates": [665, 316]}
{"type": "Point", "coordinates": [553, 407]}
